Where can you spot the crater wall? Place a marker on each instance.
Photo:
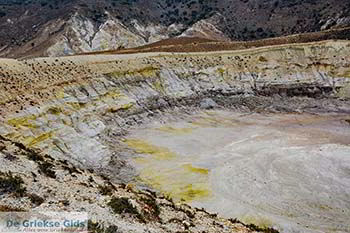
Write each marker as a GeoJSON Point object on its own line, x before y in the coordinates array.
{"type": "Point", "coordinates": [77, 107]}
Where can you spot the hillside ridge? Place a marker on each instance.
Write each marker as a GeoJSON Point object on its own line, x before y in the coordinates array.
{"type": "Point", "coordinates": [61, 27]}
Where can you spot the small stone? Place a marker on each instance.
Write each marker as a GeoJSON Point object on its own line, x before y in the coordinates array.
{"type": "Point", "coordinates": [186, 225]}
{"type": "Point", "coordinates": [208, 103]}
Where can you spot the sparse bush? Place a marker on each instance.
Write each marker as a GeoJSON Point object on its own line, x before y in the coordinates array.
{"type": "Point", "coordinates": [71, 170]}
{"type": "Point", "coordinates": [94, 227]}
{"type": "Point", "coordinates": [5, 208]}
{"type": "Point", "coordinates": [254, 227]}
{"type": "Point", "coordinates": [262, 59]}
{"type": "Point", "coordinates": [11, 184]}
{"type": "Point", "coordinates": [153, 210]}
{"type": "Point", "coordinates": [123, 206]}
{"type": "Point", "coordinates": [64, 202]}
{"type": "Point", "coordinates": [105, 190]}
{"type": "Point", "coordinates": [34, 157]}
{"type": "Point", "coordinates": [10, 157]}
{"type": "Point", "coordinates": [46, 169]}
{"type": "Point", "coordinates": [36, 199]}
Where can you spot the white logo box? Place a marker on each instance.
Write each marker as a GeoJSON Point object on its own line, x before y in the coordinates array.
{"type": "Point", "coordinates": [43, 222]}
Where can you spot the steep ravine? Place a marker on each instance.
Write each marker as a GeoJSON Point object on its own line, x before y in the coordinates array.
{"type": "Point", "coordinates": [77, 110]}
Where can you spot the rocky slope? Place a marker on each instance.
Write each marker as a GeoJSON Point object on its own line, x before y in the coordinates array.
{"type": "Point", "coordinates": [67, 118]}
{"type": "Point", "coordinates": [52, 28]}
{"type": "Point", "coordinates": [32, 181]}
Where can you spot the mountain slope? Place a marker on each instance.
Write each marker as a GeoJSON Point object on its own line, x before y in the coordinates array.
{"type": "Point", "coordinates": [59, 27]}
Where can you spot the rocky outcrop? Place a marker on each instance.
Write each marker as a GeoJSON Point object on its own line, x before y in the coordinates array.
{"type": "Point", "coordinates": [76, 109]}
{"type": "Point", "coordinates": [81, 34]}
{"type": "Point", "coordinates": [207, 28]}
{"type": "Point", "coordinates": [32, 181]}
{"type": "Point", "coordinates": [339, 22]}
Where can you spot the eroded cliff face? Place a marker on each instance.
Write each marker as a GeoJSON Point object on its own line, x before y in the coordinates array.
{"type": "Point", "coordinates": [81, 34]}
{"type": "Point", "coordinates": [77, 109]}
{"type": "Point", "coordinates": [66, 106]}
{"type": "Point", "coordinates": [208, 28]}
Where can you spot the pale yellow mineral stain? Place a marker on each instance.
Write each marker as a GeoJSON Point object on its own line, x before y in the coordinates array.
{"type": "Point", "coordinates": [143, 147]}
{"type": "Point", "coordinates": [164, 171]}
{"type": "Point", "coordinates": [261, 222]}
{"type": "Point", "coordinates": [176, 131]}
{"type": "Point", "coordinates": [148, 71]}
{"type": "Point", "coordinates": [32, 141]}
{"type": "Point", "coordinates": [212, 121]}
{"type": "Point", "coordinates": [179, 183]}
{"type": "Point", "coordinates": [60, 94]}
{"type": "Point", "coordinates": [23, 122]}
{"type": "Point", "coordinates": [190, 168]}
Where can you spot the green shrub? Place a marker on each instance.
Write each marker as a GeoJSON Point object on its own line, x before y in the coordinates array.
{"type": "Point", "coordinates": [94, 227]}
{"type": "Point", "coordinates": [36, 199]}
{"type": "Point", "coordinates": [122, 206]}
{"type": "Point", "coordinates": [11, 184]}
{"type": "Point", "coordinates": [31, 155]}
{"type": "Point", "coordinates": [105, 190]}
{"type": "Point", "coordinates": [154, 210]}
{"type": "Point", "coordinates": [5, 208]}
{"type": "Point", "coordinates": [46, 169]}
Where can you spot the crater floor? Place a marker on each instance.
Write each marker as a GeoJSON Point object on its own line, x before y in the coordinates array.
{"type": "Point", "coordinates": [289, 171]}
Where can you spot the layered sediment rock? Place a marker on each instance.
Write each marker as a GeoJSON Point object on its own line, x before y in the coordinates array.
{"type": "Point", "coordinates": [80, 34]}
{"type": "Point", "coordinates": [66, 106]}
{"type": "Point", "coordinates": [75, 109]}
